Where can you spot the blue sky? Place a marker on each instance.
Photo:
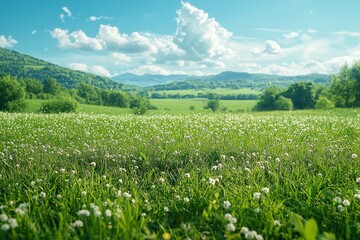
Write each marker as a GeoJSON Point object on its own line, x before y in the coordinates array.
{"type": "Point", "coordinates": [110, 37]}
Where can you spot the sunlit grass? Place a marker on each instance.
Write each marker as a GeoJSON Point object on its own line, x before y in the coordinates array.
{"type": "Point", "coordinates": [198, 176]}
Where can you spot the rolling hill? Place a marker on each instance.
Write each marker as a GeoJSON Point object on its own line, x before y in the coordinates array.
{"type": "Point", "coordinates": [25, 66]}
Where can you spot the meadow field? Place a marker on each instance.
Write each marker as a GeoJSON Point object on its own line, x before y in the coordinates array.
{"type": "Point", "coordinates": [220, 91]}
{"type": "Point", "coordinates": [186, 176]}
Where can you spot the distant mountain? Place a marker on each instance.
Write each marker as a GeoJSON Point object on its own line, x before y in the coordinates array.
{"type": "Point", "coordinates": [147, 80]}
{"type": "Point", "coordinates": [236, 80]}
{"type": "Point", "coordinates": [25, 66]}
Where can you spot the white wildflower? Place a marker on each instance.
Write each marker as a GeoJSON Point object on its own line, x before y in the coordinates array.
{"type": "Point", "coordinates": [166, 209]}
{"type": "Point", "coordinates": [212, 181]}
{"type": "Point", "coordinates": [3, 217]}
{"type": "Point", "coordinates": [127, 195]}
{"type": "Point", "coordinates": [340, 208]}
{"type": "Point", "coordinates": [226, 204]}
{"type": "Point", "coordinates": [84, 212]}
{"type": "Point", "coordinates": [77, 224]}
{"type": "Point", "coordinates": [186, 200]}
{"type": "Point", "coordinates": [97, 212]}
{"type": "Point", "coordinates": [337, 199]}
{"type": "Point", "coordinates": [265, 190]}
{"type": "Point", "coordinates": [83, 193]}
{"type": "Point", "coordinates": [346, 202]}
{"type": "Point", "coordinates": [43, 194]}
{"type": "Point", "coordinates": [108, 212]}
{"type": "Point", "coordinates": [257, 195]}
{"type": "Point", "coordinates": [354, 155]}
{"type": "Point", "coordinates": [277, 223]}
{"type": "Point", "coordinates": [13, 222]}
{"type": "Point", "coordinates": [5, 227]}
{"type": "Point", "coordinates": [93, 164]}
{"type": "Point", "coordinates": [230, 227]}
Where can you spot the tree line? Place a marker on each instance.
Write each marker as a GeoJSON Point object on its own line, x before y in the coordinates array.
{"type": "Point", "coordinates": [344, 91]}
{"type": "Point", "coordinates": [208, 95]}
{"type": "Point", "coordinates": [15, 91]}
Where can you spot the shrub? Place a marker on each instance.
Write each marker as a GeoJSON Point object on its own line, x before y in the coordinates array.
{"type": "Point", "coordinates": [324, 103]}
{"type": "Point", "coordinates": [283, 103]}
{"type": "Point", "coordinates": [59, 105]}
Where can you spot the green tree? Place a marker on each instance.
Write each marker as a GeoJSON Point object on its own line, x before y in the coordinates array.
{"type": "Point", "coordinates": [89, 93]}
{"type": "Point", "coordinates": [12, 94]}
{"type": "Point", "coordinates": [51, 86]}
{"type": "Point", "coordinates": [302, 94]}
{"type": "Point", "coordinates": [267, 99]}
{"type": "Point", "coordinates": [283, 103]}
{"type": "Point", "coordinates": [213, 104]}
{"type": "Point", "coordinates": [119, 99]}
{"type": "Point", "coordinates": [33, 86]}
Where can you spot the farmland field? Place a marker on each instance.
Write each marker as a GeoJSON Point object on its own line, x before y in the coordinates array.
{"type": "Point", "coordinates": [199, 176]}
{"type": "Point", "coordinates": [183, 105]}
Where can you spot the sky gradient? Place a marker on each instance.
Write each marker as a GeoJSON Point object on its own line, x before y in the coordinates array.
{"type": "Point", "coordinates": [110, 37]}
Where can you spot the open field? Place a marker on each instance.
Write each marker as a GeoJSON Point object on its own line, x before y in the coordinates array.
{"type": "Point", "coordinates": [220, 91]}
{"type": "Point", "coordinates": [163, 105]}
{"type": "Point", "coordinates": [183, 105]}
{"type": "Point", "coordinates": [199, 176]}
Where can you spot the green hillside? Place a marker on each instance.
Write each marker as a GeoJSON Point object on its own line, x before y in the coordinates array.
{"type": "Point", "coordinates": [25, 66]}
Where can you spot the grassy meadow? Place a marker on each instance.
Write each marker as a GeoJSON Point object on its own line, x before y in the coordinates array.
{"type": "Point", "coordinates": [191, 176]}
{"type": "Point", "coordinates": [220, 91]}
{"type": "Point", "coordinates": [187, 105]}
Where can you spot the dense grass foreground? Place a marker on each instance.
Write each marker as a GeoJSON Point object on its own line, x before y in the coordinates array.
{"type": "Point", "coordinates": [201, 177]}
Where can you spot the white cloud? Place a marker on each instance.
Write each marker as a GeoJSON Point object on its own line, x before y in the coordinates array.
{"type": "Point", "coordinates": [198, 35]}
{"type": "Point", "coordinates": [347, 33]}
{"type": "Point", "coordinates": [75, 40]}
{"type": "Point", "coordinates": [95, 69]}
{"type": "Point", "coordinates": [311, 30]}
{"type": "Point", "coordinates": [121, 59]}
{"type": "Point", "coordinates": [8, 42]}
{"type": "Point", "coordinates": [62, 17]}
{"type": "Point", "coordinates": [273, 30]}
{"type": "Point", "coordinates": [271, 48]}
{"type": "Point", "coordinates": [154, 69]}
{"type": "Point", "coordinates": [291, 35]}
{"type": "Point", "coordinates": [67, 11]}
{"type": "Point", "coordinates": [115, 41]}
{"type": "Point", "coordinates": [94, 18]}
{"type": "Point", "coordinates": [79, 66]}
{"type": "Point", "coordinates": [33, 32]}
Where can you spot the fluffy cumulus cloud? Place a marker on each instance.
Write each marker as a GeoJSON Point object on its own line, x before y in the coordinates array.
{"type": "Point", "coordinates": [7, 42]}
{"type": "Point", "coordinates": [198, 35]}
{"type": "Point", "coordinates": [96, 69]}
{"type": "Point", "coordinates": [271, 47]}
{"type": "Point", "coordinates": [111, 37]}
{"type": "Point", "coordinates": [75, 40]}
{"type": "Point", "coordinates": [121, 58]}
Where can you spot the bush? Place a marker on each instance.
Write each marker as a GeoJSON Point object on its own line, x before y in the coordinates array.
{"type": "Point", "coordinates": [12, 94]}
{"type": "Point", "coordinates": [324, 103]}
{"type": "Point", "coordinates": [283, 103]}
{"type": "Point", "coordinates": [59, 105]}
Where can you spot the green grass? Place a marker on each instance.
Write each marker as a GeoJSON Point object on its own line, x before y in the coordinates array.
{"type": "Point", "coordinates": [198, 176]}
{"type": "Point", "coordinates": [221, 91]}
{"type": "Point", "coordinates": [183, 105]}
{"type": "Point", "coordinates": [33, 105]}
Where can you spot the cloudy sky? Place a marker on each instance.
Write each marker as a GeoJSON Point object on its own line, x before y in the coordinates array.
{"type": "Point", "coordinates": [110, 37]}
